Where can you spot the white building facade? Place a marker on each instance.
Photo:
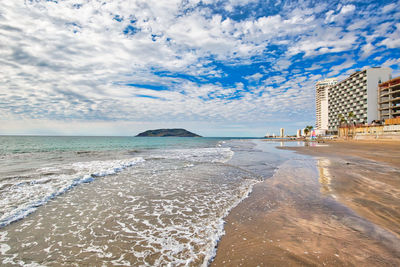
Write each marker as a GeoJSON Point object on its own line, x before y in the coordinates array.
{"type": "Point", "coordinates": [298, 135]}
{"type": "Point", "coordinates": [282, 132]}
{"type": "Point", "coordinates": [321, 103]}
{"type": "Point", "coordinates": [357, 94]}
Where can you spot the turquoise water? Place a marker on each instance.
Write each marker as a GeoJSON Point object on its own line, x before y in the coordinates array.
{"type": "Point", "coordinates": [28, 144]}
{"type": "Point", "coordinates": [131, 201]}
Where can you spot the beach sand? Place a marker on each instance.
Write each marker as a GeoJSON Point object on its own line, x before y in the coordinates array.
{"type": "Point", "coordinates": [340, 207]}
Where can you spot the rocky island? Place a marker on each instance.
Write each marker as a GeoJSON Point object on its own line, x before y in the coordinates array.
{"type": "Point", "coordinates": [167, 133]}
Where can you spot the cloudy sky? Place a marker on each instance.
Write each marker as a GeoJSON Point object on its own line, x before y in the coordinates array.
{"type": "Point", "coordinates": [218, 68]}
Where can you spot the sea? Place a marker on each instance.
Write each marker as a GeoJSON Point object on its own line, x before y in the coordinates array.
{"type": "Point", "coordinates": [123, 201]}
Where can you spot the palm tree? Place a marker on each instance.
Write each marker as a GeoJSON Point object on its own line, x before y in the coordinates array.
{"type": "Point", "coordinates": [342, 119]}
{"type": "Point", "coordinates": [351, 117]}
{"type": "Point", "coordinates": [308, 129]}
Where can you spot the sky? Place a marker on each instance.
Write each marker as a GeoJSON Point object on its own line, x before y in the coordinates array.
{"type": "Point", "coordinates": [216, 68]}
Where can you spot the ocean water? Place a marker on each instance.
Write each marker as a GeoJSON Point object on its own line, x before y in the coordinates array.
{"type": "Point", "coordinates": [129, 201]}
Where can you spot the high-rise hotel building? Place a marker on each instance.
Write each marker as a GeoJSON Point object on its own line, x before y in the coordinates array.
{"type": "Point", "coordinates": [321, 102]}
{"type": "Point", "coordinates": [357, 94]}
{"type": "Point", "coordinates": [389, 99]}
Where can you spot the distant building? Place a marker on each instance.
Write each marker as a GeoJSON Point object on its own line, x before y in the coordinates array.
{"type": "Point", "coordinates": [282, 132]}
{"type": "Point", "coordinates": [357, 94]}
{"type": "Point", "coordinates": [269, 135]}
{"type": "Point", "coordinates": [320, 132]}
{"type": "Point", "coordinates": [389, 99]}
{"type": "Point", "coordinates": [298, 135]}
{"type": "Point", "coordinates": [321, 102]}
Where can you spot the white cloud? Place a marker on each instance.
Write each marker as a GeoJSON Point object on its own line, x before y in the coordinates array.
{"type": "Point", "coordinates": [67, 61]}
{"type": "Point", "coordinates": [357, 25]}
{"type": "Point", "coordinates": [335, 70]}
{"type": "Point", "coordinates": [391, 62]}
{"type": "Point", "coordinates": [389, 7]}
{"type": "Point", "coordinates": [367, 49]}
{"type": "Point", "coordinates": [254, 77]}
{"type": "Point", "coordinates": [314, 67]}
{"type": "Point", "coordinates": [393, 39]}
{"type": "Point", "coordinates": [347, 9]}
{"type": "Point", "coordinates": [230, 5]}
{"type": "Point", "coordinates": [323, 42]}
{"type": "Point", "coordinates": [330, 16]}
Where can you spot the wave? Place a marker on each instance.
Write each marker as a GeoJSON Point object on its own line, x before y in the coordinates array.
{"type": "Point", "coordinates": [24, 197]}
{"type": "Point", "coordinates": [214, 154]}
{"type": "Point", "coordinates": [220, 231]}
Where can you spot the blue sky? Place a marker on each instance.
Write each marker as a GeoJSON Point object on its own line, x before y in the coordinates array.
{"type": "Point", "coordinates": [217, 68]}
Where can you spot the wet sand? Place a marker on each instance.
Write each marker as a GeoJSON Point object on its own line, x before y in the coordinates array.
{"type": "Point", "coordinates": [340, 207]}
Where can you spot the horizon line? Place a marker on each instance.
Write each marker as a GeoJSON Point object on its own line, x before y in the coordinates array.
{"type": "Point", "coordinates": [50, 135]}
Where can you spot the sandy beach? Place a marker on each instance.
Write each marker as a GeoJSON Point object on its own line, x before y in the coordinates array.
{"type": "Point", "coordinates": [331, 205]}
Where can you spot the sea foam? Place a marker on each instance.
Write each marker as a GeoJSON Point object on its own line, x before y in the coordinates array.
{"type": "Point", "coordinates": [211, 154]}
{"type": "Point", "coordinates": [24, 197]}
{"type": "Point", "coordinates": [170, 209]}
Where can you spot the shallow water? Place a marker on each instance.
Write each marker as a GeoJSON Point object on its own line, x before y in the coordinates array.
{"type": "Point", "coordinates": [130, 205]}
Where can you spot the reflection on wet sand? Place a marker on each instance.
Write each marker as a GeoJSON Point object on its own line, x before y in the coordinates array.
{"type": "Point", "coordinates": [325, 176]}
{"type": "Point", "coordinates": [294, 219]}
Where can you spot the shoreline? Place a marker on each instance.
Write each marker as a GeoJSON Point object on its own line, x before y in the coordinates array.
{"type": "Point", "coordinates": [383, 151]}
{"type": "Point", "coordinates": [366, 178]}
{"type": "Point", "coordinates": [335, 204]}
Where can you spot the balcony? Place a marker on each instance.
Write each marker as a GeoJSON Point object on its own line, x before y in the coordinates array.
{"type": "Point", "coordinates": [384, 100]}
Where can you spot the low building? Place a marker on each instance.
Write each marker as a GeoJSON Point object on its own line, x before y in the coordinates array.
{"type": "Point", "coordinates": [356, 95]}
{"type": "Point", "coordinates": [320, 132]}
{"type": "Point", "coordinates": [370, 132]}
{"type": "Point", "coordinates": [389, 99]}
